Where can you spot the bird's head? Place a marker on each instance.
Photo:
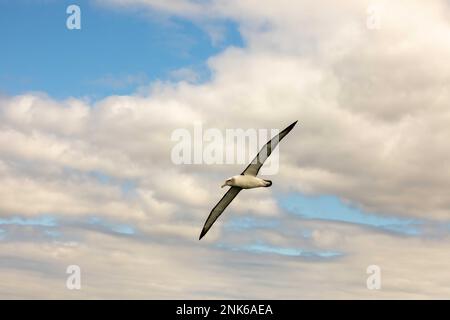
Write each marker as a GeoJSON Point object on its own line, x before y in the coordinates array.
{"type": "Point", "coordinates": [228, 182]}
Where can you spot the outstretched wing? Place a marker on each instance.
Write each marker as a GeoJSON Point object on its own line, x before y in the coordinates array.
{"type": "Point", "coordinates": [254, 166]}
{"type": "Point", "coordinates": [219, 208]}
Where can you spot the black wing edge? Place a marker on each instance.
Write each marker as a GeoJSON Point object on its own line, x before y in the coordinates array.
{"type": "Point", "coordinates": [289, 128]}
{"type": "Point", "coordinates": [202, 234]}
{"type": "Point", "coordinates": [282, 134]}
{"type": "Point", "coordinates": [205, 229]}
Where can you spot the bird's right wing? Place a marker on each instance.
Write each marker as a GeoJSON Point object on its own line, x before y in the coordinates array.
{"type": "Point", "coordinates": [219, 208]}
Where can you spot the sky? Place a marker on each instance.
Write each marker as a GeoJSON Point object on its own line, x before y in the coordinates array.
{"type": "Point", "coordinates": [86, 124]}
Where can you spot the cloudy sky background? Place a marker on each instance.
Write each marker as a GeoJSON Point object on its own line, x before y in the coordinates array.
{"type": "Point", "coordinates": [86, 118]}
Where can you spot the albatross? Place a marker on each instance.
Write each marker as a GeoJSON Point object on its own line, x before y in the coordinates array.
{"type": "Point", "coordinates": [246, 180]}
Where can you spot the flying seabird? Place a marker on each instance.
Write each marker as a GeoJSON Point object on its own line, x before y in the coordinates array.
{"type": "Point", "coordinates": [246, 180]}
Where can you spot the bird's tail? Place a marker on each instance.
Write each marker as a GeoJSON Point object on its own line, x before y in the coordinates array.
{"type": "Point", "coordinates": [269, 183]}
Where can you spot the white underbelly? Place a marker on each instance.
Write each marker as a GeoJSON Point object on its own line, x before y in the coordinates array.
{"type": "Point", "coordinates": [248, 182]}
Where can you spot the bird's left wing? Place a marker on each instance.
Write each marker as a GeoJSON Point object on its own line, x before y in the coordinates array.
{"type": "Point", "coordinates": [254, 166]}
{"type": "Point", "coordinates": [219, 208]}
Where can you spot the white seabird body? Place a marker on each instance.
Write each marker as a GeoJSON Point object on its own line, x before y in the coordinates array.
{"type": "Point", "coordinates": [247, 182]}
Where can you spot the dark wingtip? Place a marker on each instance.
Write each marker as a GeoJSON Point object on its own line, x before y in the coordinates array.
{"type": "Point", "coordinates": [292, 125]}
{"type": "Point", "coordinates": [202, 234]}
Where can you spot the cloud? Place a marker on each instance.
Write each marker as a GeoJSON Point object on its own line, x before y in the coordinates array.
{"type": "Point", "coordinates": [113, 267]}
{"type": "Point", "coordinates": [373, 128]}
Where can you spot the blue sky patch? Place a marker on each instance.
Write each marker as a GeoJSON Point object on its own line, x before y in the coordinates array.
{"type": "Point", "coordinates": [114, 52]}
{"type": "Point", "coordinates": [119, 228]}
{"type": "Point", "coordinates": [331, 208]}
{"type": "Point", "coordinates": [44, 221]}
{"type": "Point", "coordinates": [261, 248]}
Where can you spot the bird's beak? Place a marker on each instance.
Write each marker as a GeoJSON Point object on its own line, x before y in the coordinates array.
{"type": "Point", "coordinates": [224, 185]}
